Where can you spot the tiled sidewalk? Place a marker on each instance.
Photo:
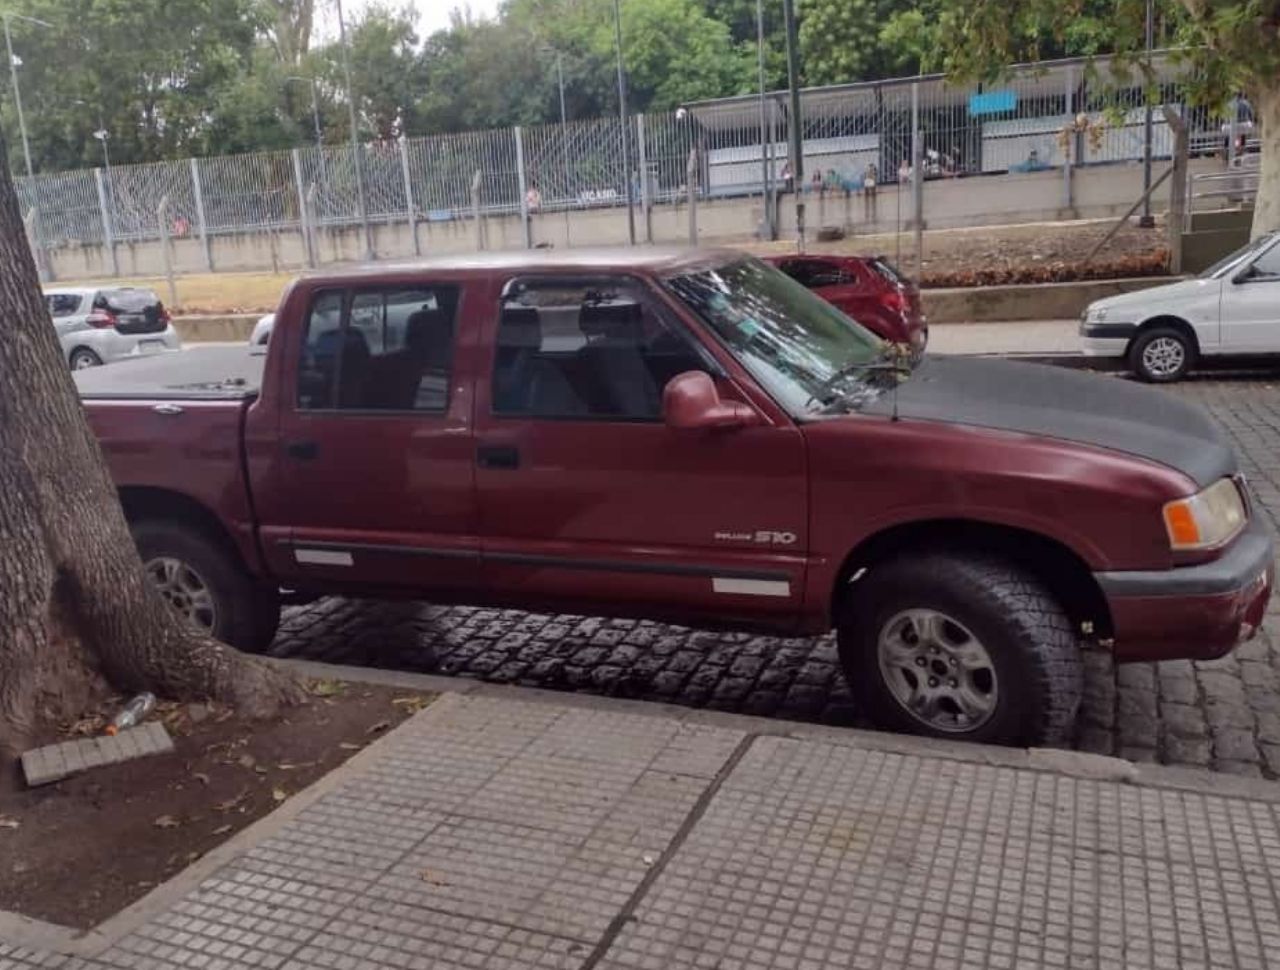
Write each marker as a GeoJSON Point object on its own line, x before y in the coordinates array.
{"type": "Point", "coordinates": [495, 831]}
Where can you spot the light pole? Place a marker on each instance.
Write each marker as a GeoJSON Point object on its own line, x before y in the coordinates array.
{"type": "Point", "coordinates": [1147, 222]}
{"type": "Point", "coordinates": [315, 105]}
{"type": "Point", "coordinates": [355, 141]}
{"type": "Point", "coordinates": [564, 139]}
{"type": "Point", "coordinates": [622, 113]}
{"type": "Point", "coordinates": [764, 151]}
{"type": "Point", "coordinates": [13, 74]}
{"type": "Point", "coordinates": [795, 121]}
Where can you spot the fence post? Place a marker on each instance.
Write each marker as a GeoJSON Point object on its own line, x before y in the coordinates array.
{"type": "Point", "coordinates": [313, 235]}
{"type": "Point", "coordinates": [646, 203]}
{"type": "Point", "coordinates": [31, 223]}
{"type": "Point", "coordinates": [107, 239]}
{"type": "Point", "coordinates": [304, 218]}
{"type": "Point", "coordinates": [1069, 140]}
{"type": "Point", "coordinates": [475, 210]}
{"type": "Point", "coordinates": [408, 194]}
{"type": "Point", "coordinates": [198, 193]}
{"type": "Point", "coordinates": [523, 190]}
{"type": "Point", "coordinates": [691, 180]}
{"type": "Point", "coordinates": [917, 176]}
{"type": "Point", "coordinates": [162, 221]}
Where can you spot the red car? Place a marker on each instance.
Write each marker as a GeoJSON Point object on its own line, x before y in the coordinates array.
{"type": "Point", "coordinates": [688, 436]}
{"type": "Point", "coordinates": [866, 288]}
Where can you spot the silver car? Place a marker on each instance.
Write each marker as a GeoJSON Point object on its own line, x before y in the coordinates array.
{"type": "Point", "coordinates": [97, 326]}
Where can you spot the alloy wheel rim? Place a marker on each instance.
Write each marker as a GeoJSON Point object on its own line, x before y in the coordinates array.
{"type": "Point", "coordinates": [1163, 356]}
{"type": "Point", "coordinates": [185, 591]}
{"type": "Point", "coordinates": [937, 671]}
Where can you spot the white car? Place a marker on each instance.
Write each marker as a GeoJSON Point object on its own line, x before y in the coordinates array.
{"type": "Point", "coordinates": [98, 326]}
{"type": "Point", "coordinates": [1231, 308]}
{"type": "Point", "coordinates": [262, 331]}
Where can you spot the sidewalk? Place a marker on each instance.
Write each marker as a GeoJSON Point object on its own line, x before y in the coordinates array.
{"type": "Point", "coordinates": [513, 828]}
{"type": "Point", "coordinates": [1052, 338]}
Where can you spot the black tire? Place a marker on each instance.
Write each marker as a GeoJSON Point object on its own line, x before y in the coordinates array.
{"type": "Point", "coordinates": [245, 614]}
{"type": "Point", "coordinates": [1032, 646]}
{"type": "Point", "coordinates": [82, 358]}
{"type": "Point", "coordinates": [1174, 341]}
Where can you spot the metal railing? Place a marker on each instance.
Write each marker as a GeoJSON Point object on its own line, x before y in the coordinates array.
{"type": "Point", "coordinates": [1053, 115]}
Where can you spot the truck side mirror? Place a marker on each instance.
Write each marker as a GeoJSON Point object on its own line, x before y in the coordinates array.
{"type": "Point", "coordinates": [690, 401]}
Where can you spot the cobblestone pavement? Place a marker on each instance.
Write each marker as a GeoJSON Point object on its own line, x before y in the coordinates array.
{"type": "Point", "coordinates": [1224, 714]}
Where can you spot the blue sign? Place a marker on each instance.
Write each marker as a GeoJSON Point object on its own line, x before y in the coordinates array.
{"type": "Point", "coordinates": [992, 102]}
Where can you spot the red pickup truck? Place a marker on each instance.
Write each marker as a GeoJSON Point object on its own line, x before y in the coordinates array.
{"type": "Point", "coordinates": [688, 436]}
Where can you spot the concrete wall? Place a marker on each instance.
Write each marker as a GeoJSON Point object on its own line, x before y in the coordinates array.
{"type": "Point", "coordinates": [1096, 192]}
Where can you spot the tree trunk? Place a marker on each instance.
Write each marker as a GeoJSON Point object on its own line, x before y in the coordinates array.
{"type": "Point", "coordinates": [77, 611]}
{"type": "Point", "coordinates": [1265, 98]}
{"type": "Point", "coordinates": [1175, 222]}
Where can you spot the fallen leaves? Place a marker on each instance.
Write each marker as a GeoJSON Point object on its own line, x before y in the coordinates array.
{"type": "Point", "coordinates": [278, 795]}
{"type": "Point", "coordinates": [376, 728]}
{"type": "Point", "coordinates": [327, 688]}
{"type": "Point", "coordinates": [1152, 263]}
{"type": "Point", "coordinates": [411, 704]}
{"type": "Point", "coordinates": [9, 823]}
{"type": "Point", "coordinates": [166, 822]}
{"type": "Point", "coordinates": [232, 803]}
{"type": "Point", "coordinates": [433, 878]}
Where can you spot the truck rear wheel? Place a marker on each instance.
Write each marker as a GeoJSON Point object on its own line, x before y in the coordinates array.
{"type": "Point", "coordinates": [955, 646]}
{"type": "Point", "coordinates": [206, 585]}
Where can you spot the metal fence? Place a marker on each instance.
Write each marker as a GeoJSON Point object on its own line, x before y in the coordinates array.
{"type": "Point", "coordinates": [1045, 116]}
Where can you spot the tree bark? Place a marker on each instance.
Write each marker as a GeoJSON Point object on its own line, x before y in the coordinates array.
{"type": "Point", "coordinates": [1175, 222]}
{"type": "Point", "coordinates": [77, 611]}
{"type": "Point", "coordinates": [1265, 98]}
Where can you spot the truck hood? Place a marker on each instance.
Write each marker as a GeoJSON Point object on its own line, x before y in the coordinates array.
{"type": "Point", "coordinates": [1054, 402]}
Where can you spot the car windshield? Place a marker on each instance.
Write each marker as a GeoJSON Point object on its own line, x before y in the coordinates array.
{"type": "Point", "coordinates": [807, 354]}
{"type": "Point", "coordinates": [1228, 263]}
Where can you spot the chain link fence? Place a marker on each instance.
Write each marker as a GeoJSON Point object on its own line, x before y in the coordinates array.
{"type": "Point", "coordinates": [1043, 117]}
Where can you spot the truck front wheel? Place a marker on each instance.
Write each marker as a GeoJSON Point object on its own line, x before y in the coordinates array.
{"type": "Point", "coordinates": [206, 585]}
{"type": "Point", "coordinates": [956, 646]}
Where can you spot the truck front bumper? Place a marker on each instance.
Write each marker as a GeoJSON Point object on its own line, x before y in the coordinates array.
{"type": "Point", "coordinates": [1194, 612]}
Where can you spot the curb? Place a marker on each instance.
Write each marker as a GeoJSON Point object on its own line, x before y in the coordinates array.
{"type": "Point", "coordinates": [1057, 761]}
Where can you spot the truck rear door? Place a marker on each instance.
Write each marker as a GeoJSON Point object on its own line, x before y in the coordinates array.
{"type": "Point", "coordinates": [367, 481]}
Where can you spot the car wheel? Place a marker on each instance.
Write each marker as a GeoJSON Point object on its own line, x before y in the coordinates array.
{"type": "Point", "coordinates": [956, 646]}
{"type": "Point", "coordinates": [205, 584]}
{"type": "Point", "coordinates": [83, 358]}
{"type": "Point", "coordinates": [1161, 355]}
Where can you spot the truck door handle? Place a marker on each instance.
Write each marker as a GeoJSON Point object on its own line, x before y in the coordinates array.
{"type": "Point", "coordinates": [302, 450]}
{"type": "Point", "coordinates": [498, 456]}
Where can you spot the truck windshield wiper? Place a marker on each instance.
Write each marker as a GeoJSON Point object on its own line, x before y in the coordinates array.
{"type": "Point", "coordinates": [888, 360]}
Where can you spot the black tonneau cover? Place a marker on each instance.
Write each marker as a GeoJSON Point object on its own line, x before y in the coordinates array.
{"type": "Point", "coordinates": [196, 373]}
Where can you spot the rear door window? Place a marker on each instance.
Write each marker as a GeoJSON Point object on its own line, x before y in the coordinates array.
{"type": "Point", "coordinates": [384, 349]}
{"type": "Point", "coordinates": [63, 304]}
{"type": "Point", "coordinates": [127, 302]}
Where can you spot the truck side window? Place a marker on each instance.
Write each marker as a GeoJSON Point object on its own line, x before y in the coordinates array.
{"type": "Point", "coordinates": [599, 350]}
{"type": "Point", "coordinates": [392, 351]}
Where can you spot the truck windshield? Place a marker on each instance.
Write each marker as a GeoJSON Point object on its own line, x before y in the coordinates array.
{"type": "Point", "coordinates": [807, 354]}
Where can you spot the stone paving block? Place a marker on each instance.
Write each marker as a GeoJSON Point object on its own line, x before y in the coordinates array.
{"type": "Point", "coordinates": [51, 763]}
{"type": "Point", "coordinates": [815, 856]}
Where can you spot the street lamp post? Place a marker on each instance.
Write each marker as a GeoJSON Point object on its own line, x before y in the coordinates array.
{"type": "Point", "coordinates": [315, 105]}
{"type": "Point", "coordinates": [622, 112]}
{"type": "Point", "coordinates": [1147, 221]}
{"type": "Point", "coordinates": [355, 141]}
{"type": "Point", "coordinates": [795, 121]}
{"type": "Point", "coordinates": [764, 151]}
{"type": "Point", "coordinates": [564, 143]}
{"type": "Point", "coordinates": [13, 75]}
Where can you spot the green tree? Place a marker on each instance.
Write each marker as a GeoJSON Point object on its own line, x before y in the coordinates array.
{"type": "Point", "coordinates": [1228, 46]}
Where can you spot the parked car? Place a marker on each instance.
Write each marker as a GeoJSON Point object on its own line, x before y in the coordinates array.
{"type": "Point", "coordinates": [693, 437]}
{"type": "Point", "coordinates": [868, 289]}
{"type": "Point", "coordinates": [262, 330]}
{"type": "Point", "coordinates": [97, 326]}
{"type": "Point", "coordinates": [1231, 308]}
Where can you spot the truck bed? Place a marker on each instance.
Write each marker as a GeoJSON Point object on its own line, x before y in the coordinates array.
{"type": "Point", "coordinates": [197, 373]}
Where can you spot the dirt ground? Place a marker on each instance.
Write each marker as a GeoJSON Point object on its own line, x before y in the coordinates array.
{"type": "Point", "coordinates": [81, 850]}
{"type": "Point", "coordinates": [1035, 252]}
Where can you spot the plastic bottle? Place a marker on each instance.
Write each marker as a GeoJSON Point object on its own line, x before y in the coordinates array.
{"type": "Point", "coordinates": [132, 713]}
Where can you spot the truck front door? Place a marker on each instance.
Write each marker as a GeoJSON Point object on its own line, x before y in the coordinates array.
{"type": "Point", "coordinates": [586, 496]}
{"type": "Point", "coordinates": [369, 481]}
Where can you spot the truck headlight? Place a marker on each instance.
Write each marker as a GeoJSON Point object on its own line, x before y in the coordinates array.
{"type": "Point", "coordinates": [1208, 518]}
